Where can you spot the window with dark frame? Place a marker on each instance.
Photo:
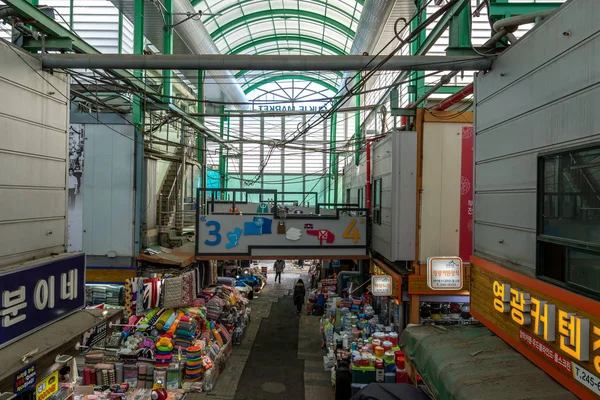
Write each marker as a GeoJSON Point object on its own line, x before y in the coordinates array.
{"type": "Point", "coordinates": [377, 201]}
{"type": "Point", "coordinates": [360, 198]}
{"type": "Point", "coordinates": [348, 196]}
{"type": "Point", "coordinates": [568, 241]}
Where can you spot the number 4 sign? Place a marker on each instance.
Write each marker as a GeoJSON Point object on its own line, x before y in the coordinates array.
{"type": "Point", "coordinates": [351, 232]}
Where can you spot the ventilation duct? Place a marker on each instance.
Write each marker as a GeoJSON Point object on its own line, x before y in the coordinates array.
{"type": "Point", "coordinates": [198, 40]}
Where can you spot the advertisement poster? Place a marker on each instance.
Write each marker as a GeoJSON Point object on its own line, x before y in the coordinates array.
{"type": "Point", "coordinates": [465, 246]}
{"type": "Point", "coordinates": [47, 387]}
{"type": "Point", "coordinates": [25, 379]}
{"type": "Point", "coordinates": [75, 183]}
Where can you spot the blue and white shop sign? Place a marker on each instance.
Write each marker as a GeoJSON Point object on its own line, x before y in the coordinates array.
{"type": "Point", "coordinates": [39, 293]}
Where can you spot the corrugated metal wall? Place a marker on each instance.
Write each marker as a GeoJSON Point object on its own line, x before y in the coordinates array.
{"type": "Point", "coordinates": [33, 141]}
{"type": "Point", "coordinates": [440, 199]}
{"type": "Point", "coordinates": [108, 190]}
{"type": "Point", "coordinates": [394, 161]}
{"type": "Point", "coordinates": [542, 95]}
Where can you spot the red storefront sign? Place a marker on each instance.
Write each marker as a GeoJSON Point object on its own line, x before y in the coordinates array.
{"type": "Point", "coordinates": [548, 352]}
{"type": "Point", "coordinates": [465, 246]}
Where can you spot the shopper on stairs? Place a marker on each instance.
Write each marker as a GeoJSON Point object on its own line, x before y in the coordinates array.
{"type": "Point", "coordinates": [299, 293]}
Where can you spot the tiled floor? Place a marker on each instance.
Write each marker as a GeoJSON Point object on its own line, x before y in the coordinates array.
{"type": "Point", "coordinates": [317, 385]}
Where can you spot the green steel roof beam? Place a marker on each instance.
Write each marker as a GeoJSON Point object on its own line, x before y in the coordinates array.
{"type": "Point", "coordinates": [287, 78]}
{"type": "Point", "coordinates": [45, 24]}
{"type": "Point", "coordinates": [286, 13]}
{"type": "Point", "coordinates": [289, 48]}
{"type": "Point", "coordinates": [240, 3]}
{"type": "Point", "coordinates": [440, 27]}
{"type": "Point", "coordinates": [196, 2]}
{"type": "Point", "coordinates": [292, 38]}
{"type": "Point", "coordinates": [168, 49]}
{"type": "Point", "coordinates": [239, 74]}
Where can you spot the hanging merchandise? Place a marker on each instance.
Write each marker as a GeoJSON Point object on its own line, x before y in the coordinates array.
{"type": "Point", "coordinates": [263, 208]}
{"type": "Point", "coordinates": [173, 292]}
{"type": "Point", "coordinates": [281, 228]}
{"type": "Point", "coordinates": [183, 342]}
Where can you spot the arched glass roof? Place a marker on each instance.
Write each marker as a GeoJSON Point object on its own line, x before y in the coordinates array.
{"type": "Point", "coordinates": [282, 27]}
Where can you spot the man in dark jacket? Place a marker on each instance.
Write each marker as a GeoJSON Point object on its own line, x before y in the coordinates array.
{"type": "Point", "coordinates": [279, 266]}
{"type": "Point", "coordinates": [299, 293]}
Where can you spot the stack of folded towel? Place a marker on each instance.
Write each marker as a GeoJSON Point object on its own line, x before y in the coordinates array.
{"type": "Point", "coordinates": [98, 294]}
{"type": "Point", "coordinates": [185, 333]}
{"type": "Point", "coordinates": [113, 295]}
{"type": "Point", "coordinates": [194, 368]}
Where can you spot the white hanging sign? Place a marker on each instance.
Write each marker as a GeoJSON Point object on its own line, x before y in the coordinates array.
{"type": "Point", "coordinates": [445, 273]}
{"type": "Point", "coordinates": [381, 285]}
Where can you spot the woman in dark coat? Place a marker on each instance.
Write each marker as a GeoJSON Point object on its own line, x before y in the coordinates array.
{"type": "Point", "coordinates": [299, 293]}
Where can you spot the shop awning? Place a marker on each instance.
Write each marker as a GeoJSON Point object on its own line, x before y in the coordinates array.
{"type": "Point", "coordinates": [167, 257]}
{"type": "Point", "coordinates": [42, 347]}
{"type": "Point", "coordinates": [468, 362]}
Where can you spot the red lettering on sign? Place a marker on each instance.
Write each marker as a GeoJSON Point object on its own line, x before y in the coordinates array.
{"type": "Point", "coordinates": [548, 352]}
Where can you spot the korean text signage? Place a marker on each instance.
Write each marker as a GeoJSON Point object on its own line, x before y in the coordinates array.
{"type": "Point", "coordinates": [267, 235]}
{"type": "Point", "coordinates": [381, 285]}
{"type": "Point", "coordinates": [36, 295]}
{"type": "Point", "coordinates": [556, 332]}
{"type": "Point", "coordinates": [396, 280]}
{"type": "Point", "coordinates": [25, 379]}
{"type": "Point", "coordinates": [46, 388]}
{"type": "Point", "coordinates": [465, 238]}
{"type": "Point", "coordinates": [444, 273]}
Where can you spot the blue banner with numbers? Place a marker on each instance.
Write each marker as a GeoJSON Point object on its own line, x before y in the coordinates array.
{"type": "Point", "coordinates": [39, 294]}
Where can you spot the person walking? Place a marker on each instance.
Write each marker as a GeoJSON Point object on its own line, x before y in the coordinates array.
{"type": "Point", "coordinates": [279, 267]}
{"type": "Point", "coordinates": [299, 293]}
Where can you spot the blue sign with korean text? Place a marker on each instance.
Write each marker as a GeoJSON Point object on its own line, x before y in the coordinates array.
{"type": "Point", "coordinates": [335, 263]}
{"type": "Point", "coordinates": [25, 379]}
{"type": "Point", "coordinates": [39, 294]}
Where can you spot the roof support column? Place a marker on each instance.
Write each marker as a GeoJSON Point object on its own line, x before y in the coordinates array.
{"type": "Point", "coordinates": [460, 34]}
{"type": "Point", "coordinates": [222, 170]}
{"type": "Point", "coordinates": [357, 131]}
{"type": "Point", "coordinates": [200, 142]}
{"type": "Point", "coordinates": [120, 30]}
{"type": "Point", "coordinates": [227, 154]}
{"type": "Point", "coordinates": [71, 7]}
{"type": "Point", "coordinates": [417, 88]}
{"type": "Point", "coordinates": [138, 120]}
{"type": "Point", "coordinates": [168, 49]}
{"type": "Point", "coordinates": [333, 160]}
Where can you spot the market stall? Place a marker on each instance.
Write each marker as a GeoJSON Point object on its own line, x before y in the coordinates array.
{"type": "Point", "coordinates": [176, 338]}
{"type": "Point", "coordinates": [360, 349]}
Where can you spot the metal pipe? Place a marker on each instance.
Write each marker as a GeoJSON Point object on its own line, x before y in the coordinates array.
{"type": "Point", "coordinates": [198, 40]}
{"type": "Point", "coordinates": [455, 98]}
{"type": "Point", "coordinates": [263, 63]}
{"type": "Point", "coordinates": [511, 24]}
{"type": "Point", "coordinates": [443, 81]}
{"type": "Point", "coordinates": [373, 18]}
{"type": "Point", "coordinates": [368, 180]}
{"type": "Point", "coordinates": [341, 275]}
{"type": "Point", "coordinates": [6, 12]}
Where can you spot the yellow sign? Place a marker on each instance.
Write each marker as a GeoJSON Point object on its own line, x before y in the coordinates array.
{"type": "Point", "coordinates": [47, 387]}
{"type": "Point", "coordinates": [542, 318]}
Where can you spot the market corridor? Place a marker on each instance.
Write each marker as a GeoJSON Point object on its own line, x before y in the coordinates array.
{"type": "Point", "coordinates": [280, 356]}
